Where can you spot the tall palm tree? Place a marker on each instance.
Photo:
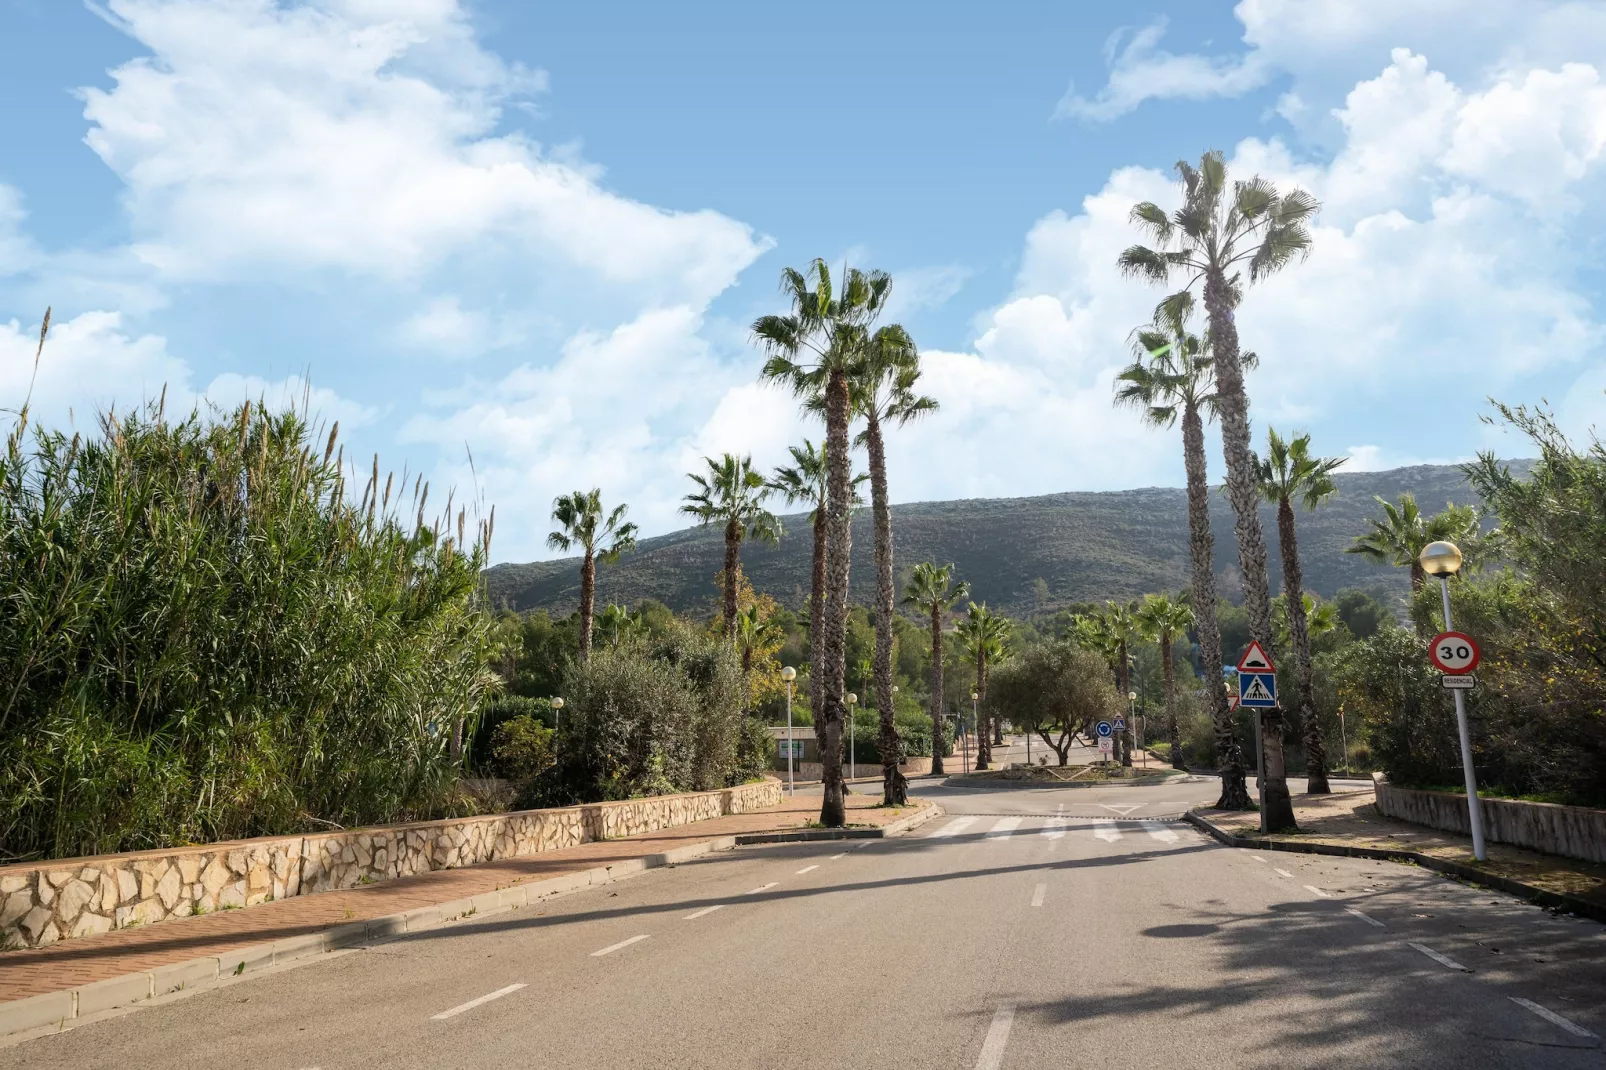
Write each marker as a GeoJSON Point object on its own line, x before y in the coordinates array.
{"type": "Point", "coordinates": [732, 495]}
{"type": "Point", "coordinates": [581, 524]}
{"type": "Point", "coordinates": [1216, 234]}
{"type": "Point", "coordinates": [1162, 619]}
{"type": "Point", "coordinates": [883, 388]}
{"type": "Point", "coordinates": [984, 633]}
{"type": "Point", "coordinates": [1399, 537]}
{"type": "Point", "coordinates": [813, 349]}
{"type": "Point", "coordinates": [1122, 624]}
{"type": "Point", "coordinates": [932, 588]}
{"type": "Point", "coordinates": [1173, 378]}
{"type": "Point", "coordinates": [1289, 474]}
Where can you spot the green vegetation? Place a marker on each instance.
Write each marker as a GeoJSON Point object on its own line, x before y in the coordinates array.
{"type": "Point", "coordinates": [207, 636]}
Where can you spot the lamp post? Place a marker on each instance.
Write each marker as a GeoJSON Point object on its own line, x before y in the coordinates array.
{"type": "Point", "coordinates": [975, 720]}
{"type": "Point", "coordinates": [557, 719]}
{"type": "Point", "coordinates": [853, 763]}
{"type": "Point", "coordinates": [1443, 559]}
{"type": "Point", "coordinates": [1343, 737]}
{"type": "Point", "coordinates": [1132, 712]}
{"type": "Point", "coordinates": [789, 674]}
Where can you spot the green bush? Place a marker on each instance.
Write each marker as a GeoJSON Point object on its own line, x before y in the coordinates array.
{"type": "Point", "coordinates": [521, 748]}
{"type": "Point", "coordinates": [205, 634]}
{"type": "Point", "coordinates": [495, 712]}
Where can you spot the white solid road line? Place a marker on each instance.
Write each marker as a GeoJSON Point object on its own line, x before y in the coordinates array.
{"type": "Point", "coordinates": [1365, 917]}
{"type": "Point", "coordinates": [1552, 1017]}
{"type": "Point", "coordinates": [1160, 832]}
{"type": "Point", "coordinates": [1106, 831]}
{"type": "Point", "coordinates": [1003, 827]}
{"type": "Point", "coordinates": [611, 948]}
{"type": "Point", "coordinates": [992, 1049]}
{"type": "Point", "coordinates": [706, 910]}
{"type": "Point", "coordinates": [761, 888]}
{"type": "Point", "coordinates": [1257, 858]}
{"type": "Point", "coordinates": [807, 869]}
{"type": "Point", "coordinates": [954, 827]}
{"type": "Point", "coordinates": [471, 1004]}
{"type": "Point", "coordinates": [1442, 960]}
{"type": "Point", "coordinates": [1318, 891]}
{"type": "Point", "coordinates": [1038, 893]}
{"type": "Point", "coordinates": [833, 858]}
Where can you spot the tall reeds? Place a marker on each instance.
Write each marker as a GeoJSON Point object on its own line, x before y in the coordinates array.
{"type": "Point", "coordinates": [203, 635]}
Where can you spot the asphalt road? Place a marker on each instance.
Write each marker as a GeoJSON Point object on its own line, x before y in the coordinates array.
{"type": "Point", "coordinates": [1028, 928]}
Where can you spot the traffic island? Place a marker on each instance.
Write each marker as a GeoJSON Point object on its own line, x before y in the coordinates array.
{"type": "Point", "coordinates": [1349, 824]}
{"type": "Point", "coordinates": [1097, 774]}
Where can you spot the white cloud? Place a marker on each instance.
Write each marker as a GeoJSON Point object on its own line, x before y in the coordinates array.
{"type": "Point", "coordinates": [1141, 71]}
{"type": "Point", "coordinates": [443, 326]}
{"type": "Point", "coordinates": [320, 404]}
{"type": "Point", "coordinates": [89, 365]}
{"type": "Point", "coordinates": [363, 137]}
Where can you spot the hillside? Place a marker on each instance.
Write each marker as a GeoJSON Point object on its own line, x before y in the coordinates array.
{"type": "Point", "coordinates": [1085, 546]}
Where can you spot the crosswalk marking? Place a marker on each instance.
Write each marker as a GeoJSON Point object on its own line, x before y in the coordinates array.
{"type": "Point", "coordinates": [1056, 829]}
{"type": "Point", "coordinates": [1160, 832]}
{"type": "Point", "coordinates": [954, 827]}
{"type": "Point", "coordinates": [1003, 827]}
{"type": "Point", "coordinates": [1106, 831]}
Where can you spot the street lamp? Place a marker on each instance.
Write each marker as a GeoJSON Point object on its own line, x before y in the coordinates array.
{"type": "Point", "coordinates": [789, 674]}
{"type": "Point", "coordinates": [853, 762]}
{"type": "Point", "coordinates": [1131, 725]}
{"type": "Point", "coordinates": [1132, 701]}
{"type": "Point", "coordinates": [1343, 736]}
{"type": "Point", "coordinates": [557, 713]}
{"type": "Point", "coordinates": [1443, 559]}
{"type": "Point", "coordinates": [975, 719]}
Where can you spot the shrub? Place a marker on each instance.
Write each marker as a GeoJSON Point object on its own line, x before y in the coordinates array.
{"type": "Point", "coordinates": [497, 711]}
{"type": "Point", "coordinates": [521, 749]}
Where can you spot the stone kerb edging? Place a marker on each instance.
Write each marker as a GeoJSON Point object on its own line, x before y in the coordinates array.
{"type": "Point", "coordinates": [1570, 831]}
{"type": "Point", "coordinates": [43, 902]}
{"type": "Point", "coordinates": [1537, 896]}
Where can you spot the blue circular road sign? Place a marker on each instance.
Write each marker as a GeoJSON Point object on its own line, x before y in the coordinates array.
{"type": "Point", "coordinates": [1103, 729]}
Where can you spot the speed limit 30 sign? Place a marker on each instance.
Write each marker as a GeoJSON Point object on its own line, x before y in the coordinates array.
{"type": "Point", "coordinates": [1454, 653]}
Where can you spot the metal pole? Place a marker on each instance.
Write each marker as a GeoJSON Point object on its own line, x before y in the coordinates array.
{"type": "Point", "coordinates": [1343, 738]}
{"type": "Point", "coordinates": [853, 758]}
{"type": "Point", "coordinates": [1474, 810]}
{"type": "Point", "coordinates": [791, 776]}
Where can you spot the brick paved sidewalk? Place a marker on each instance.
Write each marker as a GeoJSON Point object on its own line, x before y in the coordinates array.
{"type": "Point", "coordinates": [1351, 818]}
{"type": "Point", "coordinates": [34, 971]}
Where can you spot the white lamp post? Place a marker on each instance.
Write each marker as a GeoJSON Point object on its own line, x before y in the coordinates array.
{"type": "Point", "coordinates": [789, 674]}
{"type": "Point", "coordinates": [1443, 559]}
{"type": "Point", "coordinates": [853, 765]}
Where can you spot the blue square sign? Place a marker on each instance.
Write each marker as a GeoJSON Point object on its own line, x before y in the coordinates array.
{"type": "Point", "coordinates": [1257, 690]}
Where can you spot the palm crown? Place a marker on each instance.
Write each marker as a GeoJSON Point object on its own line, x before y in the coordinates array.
{"type": "Point", "coordinates": [1289, 473]}
{"type": "Point", "coordinates": [932, 588]}
{"type": "Point", "coordinates": [1399, 537]}
{"type": "Point", "coordinates": [1161, 618]}
{"type": "Point", "coordinates": [733, 494]}
{"type": "Point", "coordinates": [825, 331]}
{"type": "Point", "coordinates": [986, 631]}
{"type": "Point", "coordinates": [581, 525]}
{"type": "Point", "coordinates": [804, 481]}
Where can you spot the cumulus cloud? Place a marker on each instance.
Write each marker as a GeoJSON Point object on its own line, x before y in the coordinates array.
{"type": "Point", "coordinates": [320, 404]}
{"type": "Point", "coordinates": [1140, 70]}
{"type": "Point", "coordinates": [89, 364]}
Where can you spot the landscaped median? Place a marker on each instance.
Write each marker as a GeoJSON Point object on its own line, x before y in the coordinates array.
{"type": "Point", "coordinates": [44, 989]}
{"type": "Point", "coordinates": [1348, 823]}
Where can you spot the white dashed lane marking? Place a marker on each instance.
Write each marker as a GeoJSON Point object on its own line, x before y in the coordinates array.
{"type": "Point", "coordinates": [471, 1004]}
{"type": "Point", "coordinates": [1318, 891]}
{"type": "Point", "coordinates": [1442, 960]}
{"type": "Point", "coordinates": [1552, 1017]}
{"type": "Point", "coordinates": [706, 910]}
{"type": "Point", "coordinates": [761, 888]}
{"type": "Point", "coordinates": [1365, 917]}
{"type": "Point", "coordinates": [992, 1049]}
{"type": "Point", "coordinates": [807, 869]}
{"type": "Point", "coordinates": [611, 948]}
{"type": "Point", "coordinates": [1038, 893]}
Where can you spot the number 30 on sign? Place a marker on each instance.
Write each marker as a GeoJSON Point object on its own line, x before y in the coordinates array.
{"type": "Point", "coordinates": [1454, 653]}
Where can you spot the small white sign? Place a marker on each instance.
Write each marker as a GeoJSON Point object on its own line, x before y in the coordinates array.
{"type": "Point", "coordinates": [1459, 683]}
{"type": "Point", "coordinates": [1106, 745]}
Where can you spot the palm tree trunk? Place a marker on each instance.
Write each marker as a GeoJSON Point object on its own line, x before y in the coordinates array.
{"type": "Point", "coordinates": [1201, 554]}
{"type": "Point", "coordinates": [894, 785]}
{"type": "Point", "coordinates": [588, 595]}
{"type": "Point", "coordinates": [1123, 676]}
{"type": "Point", "coordinates": [733, 549]}
{"type": "Point", "coordinates": [817, 606]}
{"type": "Point", "coordinates": [831, 630]}
{"type": "Point", "coordinates": [1299, 637]}
{"type": "Point", "coordinates": [1169, 668]}
{"type": "Point", "coordinates": [1243, 491]}
{"type": "Point", "coordinates": [936, 691]}
{"type": "Point", "coordinates": [984, 737]}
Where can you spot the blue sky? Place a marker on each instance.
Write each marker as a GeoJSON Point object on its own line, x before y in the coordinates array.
{"type": "Point", "coordinates": [537, 231]}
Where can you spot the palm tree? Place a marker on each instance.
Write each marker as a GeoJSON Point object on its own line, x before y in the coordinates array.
{"type": "Point", "coordinates": [732, 495]}
{"type": "Point", "coordinates": [617, 623]}
{"type": "Point", "coordinates": [883, 388]}
{"type": "Point", "coordinates": [1162, 619]}
{"type": "Point", "coordinates": [1174, 377]}
{"type": "Point", "coordinates": [814, 349]}
{"type": "Point", "coordinates": [1399, 537]}
{"type": "Point", "coordinates": [1122, 625]}
{"type": "Point", "coordinates": [580, 524]}
{"type": "Point", "coordinates": [1289, 473]}
{"type": "Point", "coordinates": [1211, 239]}
{"type": "Point", "coordinates": [984, 633]}
{"type": "Point", "coordinates": [931, 587]}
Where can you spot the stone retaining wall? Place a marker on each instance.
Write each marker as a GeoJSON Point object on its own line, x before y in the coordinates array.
{"type": "Point", "coordinates": [1571, 831]}
{"type": "Point", "coordinates": [43, 902]}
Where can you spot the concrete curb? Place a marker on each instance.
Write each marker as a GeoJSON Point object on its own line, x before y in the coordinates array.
{"type": "Point", "coordinates": [52, 1012]}
{"type": "Point", "coordinates": [973, 781]}
{"type": "Point", "coordinates": [1537, 896]}
{"type": "Point", "coordinates": [895, 828]}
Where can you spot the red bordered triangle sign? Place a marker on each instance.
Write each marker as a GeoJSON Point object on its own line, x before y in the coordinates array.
{"type": "Point", "coordinates": [1256, 659]}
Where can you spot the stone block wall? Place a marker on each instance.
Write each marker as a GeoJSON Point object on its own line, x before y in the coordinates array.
{"type": "Point", "coordinates": [1571, 831]}
{"type": "Point", "coordinates": [41, 903]}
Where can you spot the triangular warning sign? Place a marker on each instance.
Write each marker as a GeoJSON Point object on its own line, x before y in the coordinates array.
{"type": "Point", "coordinates": [1256, 659]}
{"type": "Point", "coordinates": [1255, 693]}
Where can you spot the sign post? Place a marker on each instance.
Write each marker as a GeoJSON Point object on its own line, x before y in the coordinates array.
{"type": "Point", "coordinates": [1106, 734]}
{"type": "Point", "coordinates": [1257, 690]}
{"type": "Point", "coordinates": [1456, 654]}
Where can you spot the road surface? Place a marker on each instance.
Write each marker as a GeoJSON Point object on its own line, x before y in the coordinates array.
{"type": "Point", "coordinates": [1027, 928]}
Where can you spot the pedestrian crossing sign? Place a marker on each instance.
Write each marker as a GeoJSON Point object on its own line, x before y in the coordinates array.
{"type": "Point", "coordinates": [1257, 690]}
